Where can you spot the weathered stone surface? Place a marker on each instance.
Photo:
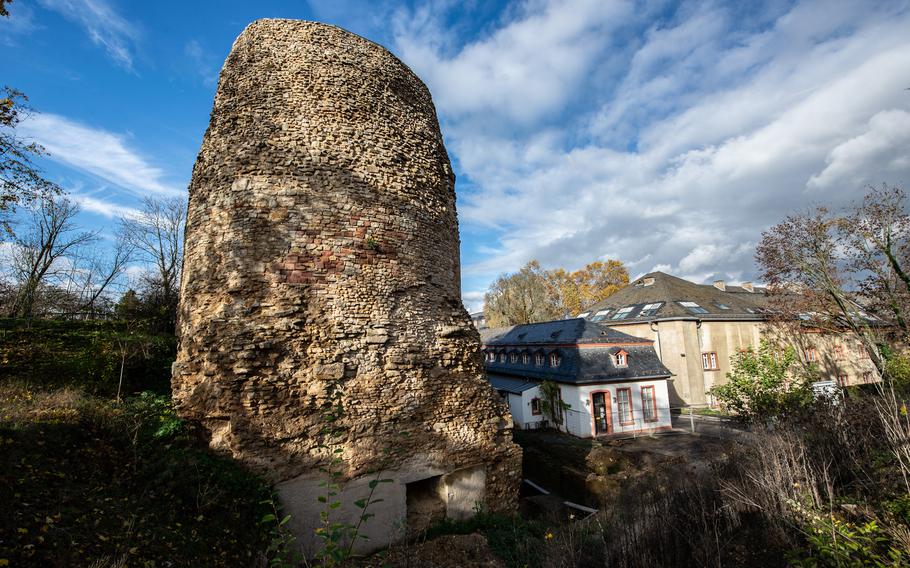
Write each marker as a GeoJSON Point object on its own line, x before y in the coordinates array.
{"type": "Point", "coordinates": [322, 249]}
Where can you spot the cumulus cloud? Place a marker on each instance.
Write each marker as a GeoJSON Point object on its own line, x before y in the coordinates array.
{"type": "Point", "coordinates": [104, 26]}
{"type": "Point", "coordinates": [670, 141]}
{"type": "Point", "coordinates": [98, 152]}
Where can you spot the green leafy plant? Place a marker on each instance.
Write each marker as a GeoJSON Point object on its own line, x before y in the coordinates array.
{"type": "Point", "coordinates": [551, 403]}
{"type": "Point", "coordinates": [339, 538]}
{"type": "Point", "coordinates": [834, 542]}
{"type": "Point", "coordinates": [281, 551]}
{"type": "Point", "coordinates": [764, 384]}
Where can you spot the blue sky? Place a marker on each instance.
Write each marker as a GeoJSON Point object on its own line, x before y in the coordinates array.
{"type": "Point", "coordinates": [664, 134]}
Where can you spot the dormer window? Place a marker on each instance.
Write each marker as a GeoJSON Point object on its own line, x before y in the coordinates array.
{"type": "Point", "coordinates": [623, 313]}
{"type": "Point", "coordinates": [538, 359]}
{"type": "Point", "coordinates": [621, 359]}
{"type": "Point", "coordinates": [693, 307]}
{"type": "Point", "coordinates": [554, 360]}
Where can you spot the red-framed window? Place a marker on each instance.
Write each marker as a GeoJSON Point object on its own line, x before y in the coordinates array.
{"type": "Point", "coordinates": [709, 361]}
{"type": "Point", "coordinates": [538, 359]}
{"type": "Point", "coordinates": [842, 380]}
{"type": "Point", "coordinates": [624, 406]}
{"type": "Point", "coordinates": [535, 406]}
{"type": "Point", "coordinates": [839, 352]}
{"type": "Point", "coordinates": [812, 355]}
{"type": "Point", "coordinates": [554, 360]}
{"type": "Point", "coordinates": [648, 404]}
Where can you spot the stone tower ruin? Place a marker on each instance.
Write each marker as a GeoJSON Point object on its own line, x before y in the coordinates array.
{"type": "Point", "coordinates": [322, 256]}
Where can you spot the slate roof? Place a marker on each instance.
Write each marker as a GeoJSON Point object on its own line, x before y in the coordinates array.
{"type": "Point", "coordinates": [585, 351]}
{"type": "Point", "coordinates": [516, 385]}
{"type": "Point", "coordinates": [576, 330]}
{"type": "Point", "coordinates": [734, 303]}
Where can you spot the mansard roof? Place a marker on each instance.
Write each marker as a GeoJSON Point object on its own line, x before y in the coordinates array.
{"type": "Point", "coordinates": [558, 332]}
{"type": "Point", "coordinates": [585, 353]}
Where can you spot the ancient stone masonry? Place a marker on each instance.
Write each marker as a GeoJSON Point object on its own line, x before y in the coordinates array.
{"type": "Point", "coordinates": [322, 249]}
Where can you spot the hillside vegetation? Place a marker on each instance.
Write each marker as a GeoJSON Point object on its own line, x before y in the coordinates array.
{"type": "Point", "coordinates": [86, 480]}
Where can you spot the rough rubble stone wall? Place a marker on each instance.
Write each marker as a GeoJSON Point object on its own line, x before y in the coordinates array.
{"type": "Point", "coordinates": [322, 248]}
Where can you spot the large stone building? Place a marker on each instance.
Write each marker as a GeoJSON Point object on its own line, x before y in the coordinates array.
{"type": "Point", "coordinates": [322, 268]}
{"type": "Point", "coordinates": [698, 328]}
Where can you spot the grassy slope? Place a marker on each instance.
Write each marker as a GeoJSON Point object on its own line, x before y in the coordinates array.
{"type": "Point", "coordinates": [84, 479]}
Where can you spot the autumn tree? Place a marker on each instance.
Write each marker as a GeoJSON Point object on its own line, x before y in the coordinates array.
{"type": "Point", "coordinates": [21, 182]}
{"type": "Point", "coordinates": [519, 298]}
{"type": "Point", "coordinates": [573, 292]}
{"type": "Point", "coordinates": [533, 294]}
{"type": "Point", "coordinates": [832, 271]}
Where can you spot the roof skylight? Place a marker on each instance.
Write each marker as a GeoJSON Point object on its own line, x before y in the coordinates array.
{"type": "Point", "coordinates": [623, 313]}
{"type": "Point", "coordinates": [693, 307]}
{"type": "Point", "coordinates": [600, 315]}
{"type": "Point", "coordinates": [722, 306]}
{"type": "Point", "coordinates": [583, 314]}
{"type": "Point", "coordinates": [650, 309]}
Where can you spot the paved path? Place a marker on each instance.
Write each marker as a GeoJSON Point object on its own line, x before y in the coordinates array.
{"type": "Point", "coordinates": [707, 426]}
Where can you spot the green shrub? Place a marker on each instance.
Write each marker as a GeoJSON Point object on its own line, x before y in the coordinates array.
{"type": "Point", "coordinates": [764, 384]}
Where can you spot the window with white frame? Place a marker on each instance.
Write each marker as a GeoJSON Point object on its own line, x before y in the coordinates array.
{"type": "Point", "coordinates": [693, 307]}
{"type": "Point", "coordinates": [538, 359]}
{"type": "Point", "coordinates": [600, 315]}
{"type": "Point", "coordinates": [650, 310]}
{"type": "Point", "coordinates": [525, 358]}
{"type": "Point", "coordinates": [513, 358]}
{"type": "Point", "coordinates": [555, 360]}
{"type": "Point", "coordinates": [648, 404]}
{"type": "Point", "coordinates": [623, 313]}
{"type": "Point", "coordinates": [621, 359]}
{"type": "Point", "coordinates": [624, 406]}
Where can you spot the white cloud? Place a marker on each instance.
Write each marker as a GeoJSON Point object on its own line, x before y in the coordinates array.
{"type": "Point", "coordinates": [522, 70]}
{"type": "Point", "coordinates": [103, 207]}
{"type": "Point", "coordinates": [98, 152]}
{"type": "Point", "coordinates": [103, 25]}
{"type": "Point", "coordinates": [884, 142]}
{"type": "Point", "coordinates": [699, 133]}
{"type": "Point", "coordinates": [203, 62]}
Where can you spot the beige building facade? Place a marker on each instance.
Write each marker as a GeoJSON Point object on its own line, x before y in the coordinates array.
{"type": "Point", "coordinates": [697, 329]}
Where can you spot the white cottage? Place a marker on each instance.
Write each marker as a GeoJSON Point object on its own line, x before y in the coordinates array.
{"type": "Point", "coordinates": [614, 383]}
